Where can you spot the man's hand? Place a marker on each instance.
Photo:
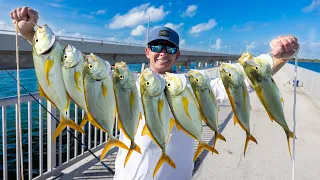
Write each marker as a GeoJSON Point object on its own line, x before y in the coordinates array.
{"type": "Point", "coordinates": [25, 17]}
{"type": "Point", "coordinates": [283, 48]}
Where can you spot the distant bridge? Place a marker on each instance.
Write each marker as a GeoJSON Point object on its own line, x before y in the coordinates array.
{"type": "Point", "coordinates": [107, 50]}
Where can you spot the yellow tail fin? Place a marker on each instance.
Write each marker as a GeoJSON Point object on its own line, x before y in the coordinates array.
{"type": "Point", "coordinates": [289, 135]}
{"type": "Point", "coordinates": [249, 137]}
{"type": "Point", "coordinates": [133, 146]}
{"type": "Point", "coordinates": [65, 123]}
{"type": "Point", "coordinates": [203, 145]}
{"type": "Point", "coordinates": [112, 141]}
{"type": "Point", "coordinates": [218, 136]}
{"type": "Point", "coordinates": [163, 158]}
{"type": "Point", "coordinates": [84, 121]}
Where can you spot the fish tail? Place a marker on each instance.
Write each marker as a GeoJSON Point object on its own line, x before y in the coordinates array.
{"type": "Point", "coordinates": [289, 135]}
{"type": "Point", "coordinates": [84, 121]}
{"type": "Point", "coordinates": [163, 158]}
{"type": "Point", "coordinates": [133, 146]}
{"type": "Point", "coordinates": [249, 138]}
{"type": "Point", "coordinates": [112, 141]}
{"type": "Point", "coordinates": [201, 146]}
{"type": "Point", "coordinates": [65, 122]}
{"type": "Point", "coordinates": [218, 136]}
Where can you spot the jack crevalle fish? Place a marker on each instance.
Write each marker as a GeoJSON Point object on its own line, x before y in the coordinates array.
{"type": "Point", "coordinates": [72, 69]}
{"type": "Point", "coordinates": [99, 97]}
{"type": "Point", "coordinates": [233, 79]}
{"type": "Point", "coordinates": [258, 69]}
{"type": "Point", "coordinates": [127, 99]}
{"type": "Point", "coordinates": [157, 113]}
{"type": "Point", "coordinates": [185, 110]}
{"type": "Point", "coordinates": [209, 108]}
{"type": "Point", "coordinates": [47, 52]}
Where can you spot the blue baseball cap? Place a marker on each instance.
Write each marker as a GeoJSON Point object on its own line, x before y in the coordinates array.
{"type": "Point", "coordinates": [164, 33]}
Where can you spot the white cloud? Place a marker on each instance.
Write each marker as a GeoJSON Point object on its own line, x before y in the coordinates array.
{"type": "Point", "coordinates": [203, 27]}
{"type": "Point", "coordinates": [175, 27]}
{"type": "Point", "coordinates": [101, 11]}
{"type": "Point", "coordinates": [138, 31]}
{"type": "Point", "coordinates": [201, 42]}
{"type": "Point", "coordinates": [138, 15]}
{"type": "Point", "coordinates": [88, 16]}
{"type": "Point", "coordinates": [252, 45]}
{"type": "Point", "coordinates": [244, 27]}
{"type": "Point", "coordinates": [133, 40]}
{"type": "Point", "coordinates": [111, 38]}
{"type": "Point", "coordinates": [55, 5]}
{"type": "Point", "coordinates": [5, 26]}
{"type": "Point", "coordinates": [314, 6]}
{"type": "Point", "coordinates": [190, 12]}
{"type": "Point", "coordinates": [218, 44]}
{"type": "Point", "coordinates": [182, 42]}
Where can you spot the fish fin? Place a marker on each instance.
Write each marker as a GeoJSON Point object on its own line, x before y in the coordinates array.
{"type": "Point", "coordinates": [47, 68]}
{"type": "Point", "coordinates": [201, 146]}
{"type": "Point", "coordinates": [263, 101]}
{"type": "Point", "coordinates": [244, 89]}
{"type": "Point", "coordinates": [65, 123]}
{"type": "Point", "coordinates": [160, 107]}
{"type": "Point", "coordinates": [235, 120]}
{"type": "Point", "coordinates": [68, 104]}
{"type": "Point", "coordinates": [76, 80]}
{"type": "Point", "coordinates": [178, 126]}
{"type": "Point", "coordinates": [132, 99]}
{"type": "Point", "coordinates": [112, 141]}
{"type": "Point", "coordinates": [84, 121]}
{"type": "Point", "coordinates": [185, 103]}
{"type": "Point", "coordinates": [132, 147]}
{"type": "Point", "coordinates": [145, 131]}
{"type": "Point", "coordinates": [233, 106]}
{"type": "Point", "coordinates": [289, 135]}
{"type": "Point", "coordinates": [213, 98]}
{"type": "Point", "coordinates": [172, 123]}
{"type": "Point", "coordinates": [94, 122]}
{"type": "Point", "coordinates": [43, 94]}
{"type": "Point", "coordinates": [104, 90]}
{"type": "Point", "coordinates": [120, 126]}
{"type": "Point", "coordinates": [163, 158]}
{"type": "Point", "coordinates": [281, 97]}
{"type": "Point", "coordinates": [218, 136]}
{"type": "Point", "coordinates": [249, 138]}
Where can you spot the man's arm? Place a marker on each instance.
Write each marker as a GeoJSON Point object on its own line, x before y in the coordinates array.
{"type": "Point", "coordinates": [25, 17]}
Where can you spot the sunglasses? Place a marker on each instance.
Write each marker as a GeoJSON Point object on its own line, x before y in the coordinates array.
{"type": "Point", "coordinates": [158, 48]}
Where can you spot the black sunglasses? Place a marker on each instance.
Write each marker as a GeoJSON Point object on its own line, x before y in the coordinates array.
{"type": "Point", "coordinates": [158, 48]}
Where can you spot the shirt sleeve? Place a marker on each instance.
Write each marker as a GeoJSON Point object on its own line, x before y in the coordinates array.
{"type": "Point", "coordinates": [219, 90]}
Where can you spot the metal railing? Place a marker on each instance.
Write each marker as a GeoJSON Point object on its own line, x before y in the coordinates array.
{"type": "Point", "coordinates": [51, 146]}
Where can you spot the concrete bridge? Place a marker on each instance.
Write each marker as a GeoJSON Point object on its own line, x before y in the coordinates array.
{"type": "Point", "coordinates": [110, 51]}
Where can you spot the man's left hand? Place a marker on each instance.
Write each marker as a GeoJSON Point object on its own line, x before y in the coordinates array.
{"type": "Point", "coordinates": [284, 47]}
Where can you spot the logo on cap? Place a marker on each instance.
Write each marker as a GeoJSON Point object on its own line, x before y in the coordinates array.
{"type": "Point", "coordinates": [164, 33]}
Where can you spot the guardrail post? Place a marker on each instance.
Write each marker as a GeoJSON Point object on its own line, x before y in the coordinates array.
{"type": "Point", "coordinates": [143, 66]}
{"type": "Point", "coordinates": [51, 145]}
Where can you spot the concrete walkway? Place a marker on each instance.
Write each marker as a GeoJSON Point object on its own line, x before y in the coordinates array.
{"type": "Point", "coordinates": [269, 159]}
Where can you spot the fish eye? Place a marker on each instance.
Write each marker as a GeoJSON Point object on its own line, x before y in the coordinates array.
{"type": "Point", "coordinates": [257, 68]}
{"type": "Point", "coordinates": [37, 40]}
{"type": "Point", "coordinates": [147, 83]}
{"type": "Point", "coordinates": [168, 84]}
{"type": "Point", "coordinates": [90, 66]}
{"type": "Point", "coordinates": [121, 77]}
{"type": "Point", "coordinates": [197, 80]}
{"type": "Point", "coordinates": [65, 56]}
{"type": "Point", "coordinates": [229, 75]}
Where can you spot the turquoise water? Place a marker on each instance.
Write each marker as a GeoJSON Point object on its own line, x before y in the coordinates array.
{"type": "Point", "coordinates": [29, 81]}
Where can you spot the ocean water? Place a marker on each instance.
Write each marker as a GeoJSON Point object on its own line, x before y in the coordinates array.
{"type": "Point", "coordinates": [29, 81]}
{"type": "Point", "coordinates": [313, 66]}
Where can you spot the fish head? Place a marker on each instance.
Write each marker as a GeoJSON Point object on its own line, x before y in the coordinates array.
{"type": "Point", "coordinates": [256, 68]}
{"type": "Point", "coordinates": [122, 76]}
{"type": "Point", "coordinates": [175, 83]}
{"type": "Point", "coordinates": [232, 75]}
{"type": "Point", "coordinates": [43, 40]}
{"type": "Point", "coordinates": [71, 57]}
{"type": "Point", "coordinates": [197, 79]}
{"type": "Point", "coordinates": [96, 68]}
{"type": "Point", "coordinates": [151, 83]}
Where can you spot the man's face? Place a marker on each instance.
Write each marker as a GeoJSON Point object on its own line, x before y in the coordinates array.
{"type": "Point", "coordinates": [161, 62]}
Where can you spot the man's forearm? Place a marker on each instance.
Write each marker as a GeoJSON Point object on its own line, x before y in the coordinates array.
{"type": "Point", "coordinates": [277, 64]}
{"type": "Point", "coordinates": [28, 36]}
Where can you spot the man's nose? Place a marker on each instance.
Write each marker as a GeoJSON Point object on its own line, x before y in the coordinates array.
{"type": "Point", "coordinates": [163, 52]}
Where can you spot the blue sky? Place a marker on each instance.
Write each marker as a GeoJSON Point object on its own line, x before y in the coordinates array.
{"type": "Point", "coordinates": [242, 25]}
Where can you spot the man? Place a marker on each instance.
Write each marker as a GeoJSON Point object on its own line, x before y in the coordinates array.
{"type": "Point", "coordinates": [162, 52]}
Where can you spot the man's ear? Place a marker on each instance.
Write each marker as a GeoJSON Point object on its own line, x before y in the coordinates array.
{"type": "Point", "coordinates": [177, 55]}
{"type": "Point", "coordinates": [147, 50]}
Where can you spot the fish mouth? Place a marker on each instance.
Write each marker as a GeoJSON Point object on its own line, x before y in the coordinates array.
{"type": "Point", "coordinates": [48, 51]}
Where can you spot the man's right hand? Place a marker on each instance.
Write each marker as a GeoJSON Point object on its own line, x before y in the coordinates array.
{"type": "Point", "coordinates": [25, 17]}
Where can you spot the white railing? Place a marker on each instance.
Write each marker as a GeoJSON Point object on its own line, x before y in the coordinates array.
{"type": "Point", "coordinates": [53, 166]}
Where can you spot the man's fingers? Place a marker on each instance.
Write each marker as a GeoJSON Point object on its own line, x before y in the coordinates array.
{"type": "Point", "coordinates": [15, 16]}
{"type": "Point", "coordinates": [286, 44]}
{"type": "Point", "coordinates": [277, 52]}
{"type": "Point", "coordinates": [24, 13]}
{"type": "Point", "coordinates": [19, 13]}
{"type": "Point", "coordinates": [33, 15]}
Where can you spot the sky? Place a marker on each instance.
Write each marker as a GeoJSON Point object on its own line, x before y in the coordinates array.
{"type": "Point", "coordinates": [234, 26]}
